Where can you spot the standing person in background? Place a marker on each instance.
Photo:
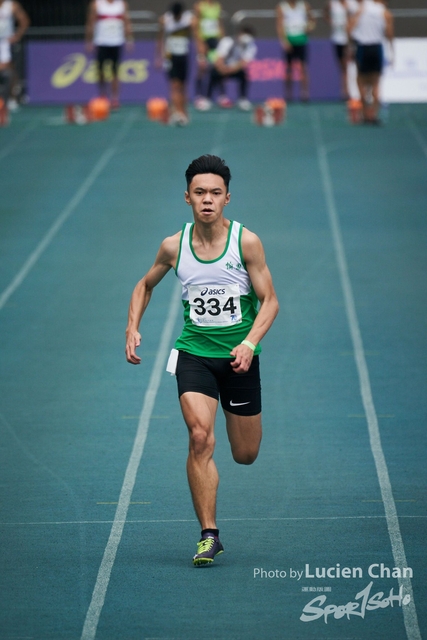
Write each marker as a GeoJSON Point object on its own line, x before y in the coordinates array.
{"type": "Point", "coordinates": [233, 56]}
{"type": "Point", "coordinates": [173, 48]}
{"type": "Point", "coordinates": [209, 30]}
{"type": "Point", "coordinates": [352, 79]}
{"type": "Point", "coordinates": [108, 27]}
{"type": "Point", "coordinates": [369, 27]}
{"type": "Point", "coordinates": [294, 21]}
{"type": "Point", "coordinates": [14, 22]}
{"type": "Point", "coordinates": [336, 15]}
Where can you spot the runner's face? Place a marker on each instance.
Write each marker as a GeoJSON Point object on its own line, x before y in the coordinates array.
{"type": "Point", "coordinates": [207, 195]}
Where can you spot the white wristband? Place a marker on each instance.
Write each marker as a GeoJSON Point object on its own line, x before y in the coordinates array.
{"type": "Point", "coordinates": [248, 344]}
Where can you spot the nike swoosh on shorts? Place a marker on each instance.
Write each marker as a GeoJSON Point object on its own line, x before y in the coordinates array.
{"type": "Point", "coordinates": [237, 404]}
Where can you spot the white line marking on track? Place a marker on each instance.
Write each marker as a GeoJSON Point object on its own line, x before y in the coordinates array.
{"type": "Point", "coordinates": [104, 573]}
{"type": "Point", "coordinates": [101, 585]}
{"type": "Point", "coordinates": [19, 138]}
{"type": "Point", "coordinates": [222, 121]}
{"type": "Point", "coordinates": [409, 612]}
{"type": "Point", "coordinates": [66, 213]}
{"type": "Point", "coordinates": [418, 135]}
{"type": "Point", "coordinates": [172, 520]}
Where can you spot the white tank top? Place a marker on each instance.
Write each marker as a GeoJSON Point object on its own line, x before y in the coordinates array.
{"type": "Point", "coordinates": [294, 18]}
{"type": "Point", "coordinates": [371, 26]}
{"type": "Point", "coordinates": [177, 33]}
{"type": "Point", "coordinates": [6, 20]}
{"type": "Point", "coordinates": [209, 285]}
{"type": "Point", "coordinates": [220, 304]}
{"type": "Point", "coordinates": [110, 26]}
{"type": "Point", "coordinates": [338, 22]}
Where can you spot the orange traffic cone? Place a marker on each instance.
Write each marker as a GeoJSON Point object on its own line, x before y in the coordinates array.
{"type": "Point", "coordinates": [355, 110]}
{"type": "Point", "coordinates": [158, 109]}
{"type": "Point", "coordinates": [271, 113]}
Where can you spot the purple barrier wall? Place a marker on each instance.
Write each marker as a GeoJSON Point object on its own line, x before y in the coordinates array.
{"type": "Point", "coordinates": [62, 72]}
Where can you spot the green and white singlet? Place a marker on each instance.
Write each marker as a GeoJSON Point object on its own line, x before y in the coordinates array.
{"type": "Point", "coordinates": [295, 22]}
{"type": "Point", "coordinates": [220, 305]}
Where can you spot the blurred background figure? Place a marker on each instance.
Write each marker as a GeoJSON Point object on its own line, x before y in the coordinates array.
{"type": "Point", "coordinates": [173, 48]}
{"type": "Point", "coordinates": [14, 22]}
{"type": "Point", "coordinates": [337, 14]}
{"type": "Point", "coordinates": [108, 28]}
{"type": "Point", "coordinates": [370, 26]}
{"type": "Point", "coordinates": [233, 56]}
{"type": "Point", "coordinates": [209, 30]}
{"type": "Point", "coordinates": [294, 21]}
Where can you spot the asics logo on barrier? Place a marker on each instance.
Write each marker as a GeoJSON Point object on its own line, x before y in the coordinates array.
{"type": "Point", "coordinates": [212, 292]}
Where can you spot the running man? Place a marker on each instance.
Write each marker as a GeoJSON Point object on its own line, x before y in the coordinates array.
{"type": "Point", "coordinates": [108, 28]}
{"type": "Point", "coordinates": [222, 269]}
{"type": "Point", "coordinates": [294, 21]}
{"type": "Point", "coordinates": [14, 22]}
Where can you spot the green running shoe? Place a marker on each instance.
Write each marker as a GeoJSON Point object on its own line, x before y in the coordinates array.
{"type": "Point", "coordinates": [207, 548]}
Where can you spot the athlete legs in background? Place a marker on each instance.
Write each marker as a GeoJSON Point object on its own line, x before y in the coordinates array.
{"type": "Point", "coordinates": [178, 98]}
{"type": "Point", "coordinates": [369, 90]}
{"type": "Point", "coordinates": [5, 81]}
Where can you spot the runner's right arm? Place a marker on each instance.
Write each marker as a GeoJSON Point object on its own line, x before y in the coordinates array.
{"type": "Point", "coordinates": [165, 260]}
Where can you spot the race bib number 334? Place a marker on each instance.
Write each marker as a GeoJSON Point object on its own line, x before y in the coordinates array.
{"type": "Point", "coordinates": [215, 306]}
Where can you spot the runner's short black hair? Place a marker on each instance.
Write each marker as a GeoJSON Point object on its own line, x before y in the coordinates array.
{"type": "Point", "coordinates": [208, 164]}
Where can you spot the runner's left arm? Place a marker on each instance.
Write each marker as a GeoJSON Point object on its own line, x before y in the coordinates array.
{"type": "Point", "coordinates": [259, 273]}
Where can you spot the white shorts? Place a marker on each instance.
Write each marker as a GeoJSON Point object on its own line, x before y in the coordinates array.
{"type": "Point", "coordinates": [5, 52]}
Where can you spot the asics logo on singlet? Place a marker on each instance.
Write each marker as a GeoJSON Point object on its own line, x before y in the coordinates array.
{"type": "Point", "coordinates": [212, 292]}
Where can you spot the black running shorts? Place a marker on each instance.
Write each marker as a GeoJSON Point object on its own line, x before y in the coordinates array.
{"type": "Point", "coordinates": [369, 58]}
{"type": "Point", "coordinates": [112, 54]}
{"type": "Point", "coordinates": [340, 51]}
{"type": "Point", "coordinates": [178, 68]}
{"type": "Point", "coordinates": [240, 393]}
{"type": "Point", "coordinates": [298, 52]}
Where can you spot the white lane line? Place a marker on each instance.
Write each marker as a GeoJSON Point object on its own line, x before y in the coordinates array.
{"type": "Point", "coordinates": [66, 213]}
{"type": "Point", "coordinates": [19, 138]}
{"type": "Point", "coordinates": [223, 120]}
{"type": "Point", "coordinates": [102, 581]}
{"type": "Point", "coordinates": [103, 578]}
{"type": "Point", "coordinates": [171, 520]}
{"type": "Point", "coordinates": [418, 135]}
{"type": "Point", "coordinates": [409, 612]}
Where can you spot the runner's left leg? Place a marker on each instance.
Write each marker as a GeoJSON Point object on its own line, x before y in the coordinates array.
{"type": "Point", "coordinates": [244, 434]}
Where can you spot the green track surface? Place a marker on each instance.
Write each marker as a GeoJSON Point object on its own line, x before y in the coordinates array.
{"type": "Point", "coordinates": [70, 404]}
